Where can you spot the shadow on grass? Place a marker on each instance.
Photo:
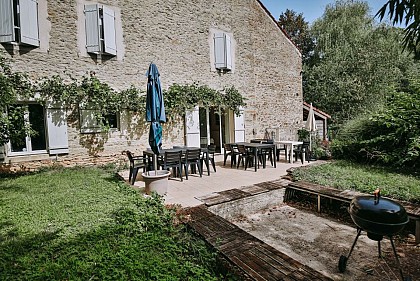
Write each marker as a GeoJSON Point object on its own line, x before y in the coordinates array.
{"type": "Point", "coordinates": [128, 249]}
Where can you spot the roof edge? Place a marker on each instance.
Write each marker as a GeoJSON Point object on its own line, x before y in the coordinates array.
{"type": "Point", "coordinates": [278, 25]}
{"type": "Point", "coordinates": [305, 104]}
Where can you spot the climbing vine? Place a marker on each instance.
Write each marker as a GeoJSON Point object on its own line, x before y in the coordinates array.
{"type": "Point", "coordinates": [99, 96]}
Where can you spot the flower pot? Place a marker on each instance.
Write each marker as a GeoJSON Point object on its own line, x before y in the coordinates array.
{"type": "Point", "coordinates": [156, 181]}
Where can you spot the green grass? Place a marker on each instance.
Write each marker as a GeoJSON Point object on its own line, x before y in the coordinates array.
{"type": "Point", "coordinates": [84, 224]}
{"type": "Point", "coordinates": [364, 178]}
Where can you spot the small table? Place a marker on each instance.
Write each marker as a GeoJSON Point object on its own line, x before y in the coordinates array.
{"type": "Point", "coordinates": [289, 148]}
{"type": "Point", "coordinates": [257, 146]}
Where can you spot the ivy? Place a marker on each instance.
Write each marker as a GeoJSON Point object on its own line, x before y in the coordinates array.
{"type": "Point", "coordinates": [90, 92]}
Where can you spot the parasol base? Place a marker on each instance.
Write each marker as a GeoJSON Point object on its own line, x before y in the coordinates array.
{"type": "Point", "coordinates": [156, 182]}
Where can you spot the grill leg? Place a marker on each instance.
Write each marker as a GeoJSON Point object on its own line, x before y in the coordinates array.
{"type": "Point", "coordinates": [359, 231]}
{"type": "Point", "coordinates": [396, 257]}
{"type": "Point", "coordinates": [342, 263]}
{"type": "Point", "coordinates": [379, 249]}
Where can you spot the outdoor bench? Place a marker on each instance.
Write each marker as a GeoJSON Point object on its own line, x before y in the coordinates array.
{"type": "Point", "coordinates": [413, 210]}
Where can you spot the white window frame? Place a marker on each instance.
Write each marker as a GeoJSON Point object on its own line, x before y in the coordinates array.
{"type": "Point", "coordinates": [24, 29]}
{"type": "Point", "coordinates": [100, 30]}
{"type": "Point", "coordinates": [28, 141]}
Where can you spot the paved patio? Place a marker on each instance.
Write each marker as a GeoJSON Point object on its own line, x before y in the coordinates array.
{"type": "Point", "coordinates": [186, 192]}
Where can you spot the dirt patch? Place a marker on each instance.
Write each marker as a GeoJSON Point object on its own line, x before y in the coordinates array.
{"type": "Point", "coordinates": [318, 241]}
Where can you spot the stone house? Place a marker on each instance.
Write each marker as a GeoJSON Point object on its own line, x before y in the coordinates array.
{"type": "Point", "coordinates": [217, 43]}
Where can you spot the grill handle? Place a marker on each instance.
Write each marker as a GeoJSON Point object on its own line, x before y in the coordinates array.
{"type": "Point", "coordinates": [377, 194]}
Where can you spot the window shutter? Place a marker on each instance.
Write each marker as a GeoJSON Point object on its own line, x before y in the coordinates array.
{"type": "Point", "coordinates": [7, 31]}
{"type": "Point", "coordinates": [109, 31]}
{"type": "Point", "coordinates": [240, 127]}
{"type": "Point", "coordinates": [29, 22]}
{"type": "Point", "coordinates": [219, 50]}
{"type": "Point", "coordinates": [228, 51]}
{"type": "Point", "coordinates": [92, 28]}
{"type": "Point", "coordinates": [192, 127]}
{"type": "Point", "coordinates": [2, 152]}
{"type": "Point", "coordinates": [88, 121]}
{"type": "Point", "coordinates": [58, 142]}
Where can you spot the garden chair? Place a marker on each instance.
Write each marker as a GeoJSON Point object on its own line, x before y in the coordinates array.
{"type": "Point", "coordinates": [211, 149]}
{"type": "Point", "coordinates": [172, 159]}
{"type": "Point", "coordinates": [302, 149]}
{"type": "Point", "coordinates": [230, 150]}
{"type": "Point", "coordinates": [192, 157]}
{"type": "Point", "coordinates": [244, 156]}
{"type": "Point", "coordinates": [136, 163]}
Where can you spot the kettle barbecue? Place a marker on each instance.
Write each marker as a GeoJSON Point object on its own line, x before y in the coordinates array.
{"type": "Point", "coordinates": [379, 217]}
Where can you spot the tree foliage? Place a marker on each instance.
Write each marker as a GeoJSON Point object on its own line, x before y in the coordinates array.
{"type": "Point", "coordinates": [354, 61]}
{"type": "Point", "coordinates": [408, 13]}
{"type": "Point", "coordinates": [298, 30]}
{"type": "Point", "coordinates": [389, 136]}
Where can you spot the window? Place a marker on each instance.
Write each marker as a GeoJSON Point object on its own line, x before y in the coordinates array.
{"type": "Point", "coordinates": [27, 115]}
{"type": "Point", "coordinates": [90, 121]}
{"type": "Point", "coordinates": [19, 22]}
{"type": "Point", "coordinates": [48, 130]}
{"type": "Point", "coordinates": [100, 30]}
{"type": "Point", "coordinates": [223, 51]}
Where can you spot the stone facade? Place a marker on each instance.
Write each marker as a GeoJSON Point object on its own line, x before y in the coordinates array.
{"type": "Point", "coordinates": [176, 36]}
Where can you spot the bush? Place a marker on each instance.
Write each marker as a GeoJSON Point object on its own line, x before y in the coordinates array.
{"type": "Point", "coordinates": [391, 136]}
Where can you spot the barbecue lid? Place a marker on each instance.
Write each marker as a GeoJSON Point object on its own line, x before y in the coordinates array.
{"type": "Point", "coordinates": [378, 209]}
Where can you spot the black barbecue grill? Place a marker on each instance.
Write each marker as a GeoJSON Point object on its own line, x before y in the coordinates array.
{"type": "Point", "coordinates": [379, 217]}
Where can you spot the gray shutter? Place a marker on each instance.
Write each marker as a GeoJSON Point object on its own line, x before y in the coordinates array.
{"type": "Point", "coordinates": [58, 142]}
{"type": "Point", "coordinates": [219, 50]}
{"type": "Point", "coordinates": [92, 28]}
{"type": "Point", "coordinates": [192, 127]}
{"type": "Point", "coordinates": [29, 22]}
{"type": "Point", "coordinates": [228, 51]}
{"type": "Point", "coordinates": [7, 31]}
{"type": "Point", "coordinates": [240, 127]}
{"type": "Point", "coordinates": [88, 121]}
{"type": "Point", "coordinates": [109, 31]}
{"type": "Point", "coordinates": [2, 152]}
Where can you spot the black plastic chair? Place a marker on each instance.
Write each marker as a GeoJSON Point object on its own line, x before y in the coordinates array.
{"type": "Point", "coordinates": [229, 150]}
{"type": "Point", "coordinates": [136, 163]}
{"type": "Point", "coordinates": [244, 156]}
{"type": "Point", "coordinates": [302, 149]}
{"type": "Point", "coordinates": [279, 149]}
{"type": "Point", "coordinates": [192, 157]}
{"type": "Point", "coordinates": [172, 159]}
{"type": "Point", "coordinates": [211, 149]}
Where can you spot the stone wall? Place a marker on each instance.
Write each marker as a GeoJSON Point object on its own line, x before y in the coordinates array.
{"type": "Point", "coordinates": [174, 34]}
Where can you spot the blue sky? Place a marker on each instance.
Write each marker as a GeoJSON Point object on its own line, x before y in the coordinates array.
{"type": "Point", "coordinates": [311, 9]}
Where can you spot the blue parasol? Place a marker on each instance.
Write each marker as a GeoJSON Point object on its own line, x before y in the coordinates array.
{"type": "Point", "coordinates": [155, 110]}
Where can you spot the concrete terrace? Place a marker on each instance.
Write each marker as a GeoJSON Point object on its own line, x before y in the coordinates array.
{"type": "Point", "coordinates": [186, 192]}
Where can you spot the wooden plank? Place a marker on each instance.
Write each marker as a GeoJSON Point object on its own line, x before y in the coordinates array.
{"type": "Point", "coordinates": [234, 194]}
{"type": "Point", "coordinates": [257, 266]}
{"type": "Point", "coordinates": [269, 185]}
{"type": "Point", "coordinates": [275, 270]}
{"type": "Point", "coordinates": [247, 268]}
{"type": "Point", "coordinates": [280, 264]}
{"type": "Point", "coordinates": [253, 189]}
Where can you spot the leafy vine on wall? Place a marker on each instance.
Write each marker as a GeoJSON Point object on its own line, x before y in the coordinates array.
{"type": "Point", "coordinates": [74, 93]}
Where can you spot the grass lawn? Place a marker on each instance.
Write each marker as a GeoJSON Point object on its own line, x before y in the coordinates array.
{"type": "Point", "coordinates": [84, 224]}
{"type": "Point", "coordinates": [364, 178]}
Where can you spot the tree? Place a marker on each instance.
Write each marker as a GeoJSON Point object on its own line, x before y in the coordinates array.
{"type": "Point", "coordinates": [354, 61]}
{"type": "Point", "coordinates": [407, 12]}
{"type": "Point", "coordinates": [297, 29]}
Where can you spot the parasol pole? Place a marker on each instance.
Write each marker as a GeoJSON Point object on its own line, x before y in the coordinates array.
{"type": "Point", "coordinates": [155, 162]}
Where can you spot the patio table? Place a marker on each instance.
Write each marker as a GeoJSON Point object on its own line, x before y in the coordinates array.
{"type": "Point", "coordinates": [257, 147]}
{"type": "Point", "coordinates": [289, 148]}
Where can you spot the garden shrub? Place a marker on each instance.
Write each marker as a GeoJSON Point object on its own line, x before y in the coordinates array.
{"type": "Point", "coordinates": [390, 136]}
